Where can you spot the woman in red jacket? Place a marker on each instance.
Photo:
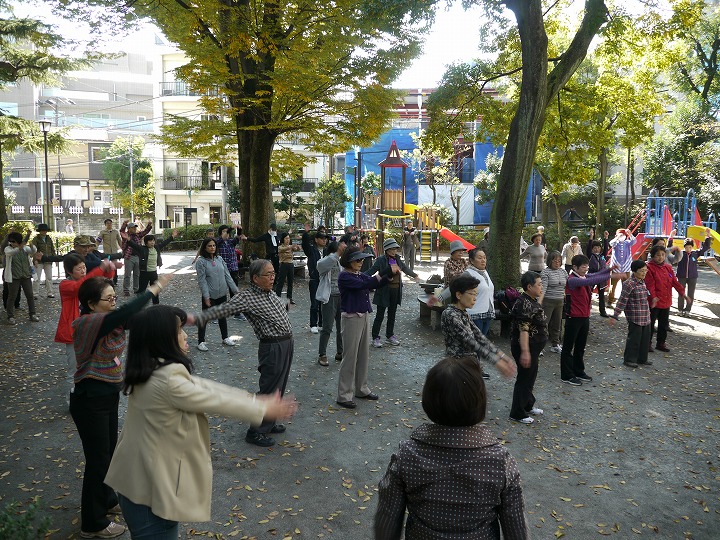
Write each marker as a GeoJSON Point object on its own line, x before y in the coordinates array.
{"type": "Point", "coordinates": [660, 281]}
{"type": "Point", "coordinates": [70, 307]}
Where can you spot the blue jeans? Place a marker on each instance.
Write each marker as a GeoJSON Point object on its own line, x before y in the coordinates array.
{"type": "Point", "coordinates": [144, 525]}
{"type": "Point", "coordinates": [483, 325]}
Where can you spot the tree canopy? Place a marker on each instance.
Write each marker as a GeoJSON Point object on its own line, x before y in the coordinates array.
{"type": "Point", "coordinates": [321, 70]}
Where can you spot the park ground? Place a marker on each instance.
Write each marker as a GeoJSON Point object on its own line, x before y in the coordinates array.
{"type": "Point", "coordinates": [635, 453]}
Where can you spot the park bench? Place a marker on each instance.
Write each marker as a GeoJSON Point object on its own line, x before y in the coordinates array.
{"type": "Point", "coordinates": [433, 313]}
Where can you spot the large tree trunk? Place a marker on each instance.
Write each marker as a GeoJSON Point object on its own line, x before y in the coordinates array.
{"type": "Point", "coordinates": [537, 90]}
{"type": "Point", "coordinates": [600, 200]}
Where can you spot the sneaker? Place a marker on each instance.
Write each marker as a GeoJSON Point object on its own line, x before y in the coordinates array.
{"type": "Point", "coordinates": [12, 321]}
{"type": "Point", "coordinates": [542, 353]}
{"type": "Point", "coordinates": [536, 412]}
{"type": "Point", "coordinates": [111, 531]}
{"type": "Point", "coordinates": [556, 349]}
{"type": "Point", "coordinates": [229, 342]}
{"type": "Point", "coordinates": [338, 357]}
{"type": "Point", "coordinates": [51, 296]}
{"type": "Point", "coordinates": [115, 510]}
{"type": "Point", "coordinates": [314, 329]}
{"type": "Point", "coordinates": [393, 340]}
{"type": "Point", "coordinates": [214, 321]}
{"type": "Point", "coordinates": [322, 360]}
{"type": "Point", "coordinates": [526, 420]}
{"type": "Point", "coordinates": [259, 439]}
{"type": "Point", "coordinates": [377, 343]}
{"type": "Point", "coordinates": [240, 317]}
{"type": "Point", "coordinates": [584, 377]}
{"type": "Point", "coordinates": [202, 347]}
{"type": "Point", "coordinates": [574, 381]}
{"type": "Point", "coordinates": [34, 318]}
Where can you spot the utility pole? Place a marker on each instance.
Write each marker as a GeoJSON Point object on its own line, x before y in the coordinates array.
{"type": "Point", "coordinates": [132, 200]}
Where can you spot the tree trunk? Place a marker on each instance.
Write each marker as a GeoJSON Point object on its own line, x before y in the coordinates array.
{"type": "Point", "coordinates": [538, 89]}
{"type": "Point", "coordinates": [558, 220]}
{"type": "Point", "coordinates": [600, 201]}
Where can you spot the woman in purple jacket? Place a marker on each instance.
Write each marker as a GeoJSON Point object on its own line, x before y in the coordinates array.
{"type": "Point", "coordinates": [355, 306]}
{"type": "Point", "coordinates": [687, 271]}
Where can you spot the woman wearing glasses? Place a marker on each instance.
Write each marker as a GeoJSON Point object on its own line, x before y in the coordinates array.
{"type": "Point", "coordinates": [99, 338]}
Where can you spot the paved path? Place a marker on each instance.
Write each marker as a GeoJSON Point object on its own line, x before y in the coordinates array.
{"type": "Point", "coordinates": [636, 453]}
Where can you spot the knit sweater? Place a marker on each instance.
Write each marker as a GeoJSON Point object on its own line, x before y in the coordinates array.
{"type": "Point", "coordinates": [536, 257]}
{"type": "Point", "coordinates": [553, 283]}
{"type": "Point", "coordinates": [214, 278]}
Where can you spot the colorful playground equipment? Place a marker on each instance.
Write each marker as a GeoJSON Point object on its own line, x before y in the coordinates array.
{"type": "Point", "coordinates": [663, 215]}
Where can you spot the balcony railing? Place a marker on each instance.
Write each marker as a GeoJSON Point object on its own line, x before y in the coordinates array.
{"type": "Point", "coordinates": [189, 182]}
{"type": "Point", "coordinates": [181, 88]}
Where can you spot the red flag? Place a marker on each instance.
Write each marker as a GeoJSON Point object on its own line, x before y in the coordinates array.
{"type": "Point", "coordinates": [667, 222]}
{"type": "Point", "coordinates": [697, 219]}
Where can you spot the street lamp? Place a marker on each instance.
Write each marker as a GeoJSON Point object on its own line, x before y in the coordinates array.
{"type": "Point", "coordinates": [45, 127]}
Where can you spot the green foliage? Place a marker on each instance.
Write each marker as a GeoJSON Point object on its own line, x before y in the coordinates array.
{"type": "Point", "coordinates": [290, 201]}
{"type": "Point", "coordinates": [330, 198]}
{"type": "Point", "coordinates": [370, 183]}
{"type": "Point", "coordinates": [486, 180]}
{"type": "Point", "coordinates": [22, 227]}
{"type": "Point", "coordinates": [118, 159]}
{"type": "Point", "coordinates": [234, 195]}
{"type": "Point", "coordinates": [142, 202]}
{"type": "Point", "coordinates": [684, 154]}
{"type": "Point", "coordinates": [26, 523]}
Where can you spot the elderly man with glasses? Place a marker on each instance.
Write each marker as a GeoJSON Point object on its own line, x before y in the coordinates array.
{"type": "Point", "coordinates": [268, 316]}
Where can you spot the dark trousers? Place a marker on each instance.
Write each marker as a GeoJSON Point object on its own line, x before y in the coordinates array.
{"type": "Point", "coordinates": [6, 291]}
{"type": "Point", "coordinates": [222, 323]}
{"type": "Point", "coordinates": [287, 272]}
{"type": "Point", "coordinates": [15, 285]}
{"type": "Point", "coordinates": [96, 419]}
{"type": "Point", "coordinates": [689, 284]}
{"type": "Point", "coordinates": [391, 311]}
{"type": "Point", "coordinates": [601, 301]}
{"type": "Point", "coordinates": [523, 398]}
{"type": "Point", "coordinates": [148, 278]}
{"type": "Point", "coordinates": [572, 361]}
{"type": "Point", "coordinates": [144, 525]}
{"type": "Point", "coordinates": [235, 276]}
{"type": "Point", "coordinates": [331, 315]}
{"type": "Point", "coordinates": [315, 313]}
{"type": "Point", "coordinates": [274, 360]}
{"type": "Point", "coordinates": [637, 343]}
{"type": "Point", "coordinates": [662, 316]}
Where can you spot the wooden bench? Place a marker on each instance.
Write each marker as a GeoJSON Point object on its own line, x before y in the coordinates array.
{"type": "Point", "coordinates": [433, 313]}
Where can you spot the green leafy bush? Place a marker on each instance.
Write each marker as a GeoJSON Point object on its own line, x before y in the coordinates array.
{"type": "Point", "coordinates": [18, 523]}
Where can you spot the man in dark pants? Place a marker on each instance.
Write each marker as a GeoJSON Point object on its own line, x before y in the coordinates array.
{"type": "Point", "coordinates": [270, 238]}
{"type": "Point", "coordinates": [268, 316]}
{"type": "Point", "coordinates": [315, 253]}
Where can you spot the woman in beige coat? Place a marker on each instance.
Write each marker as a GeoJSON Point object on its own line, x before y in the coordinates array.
{"type": "Point", "coordinates": [161, 467]}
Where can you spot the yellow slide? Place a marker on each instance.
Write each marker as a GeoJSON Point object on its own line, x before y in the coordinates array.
{"type": "Point", "coordinates": [698, 233]}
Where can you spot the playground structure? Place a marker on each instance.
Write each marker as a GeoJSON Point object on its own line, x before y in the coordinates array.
{"type": "Point", "coordinates": [663, 215]}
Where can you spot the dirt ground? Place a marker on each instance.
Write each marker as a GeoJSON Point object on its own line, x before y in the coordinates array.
{"type": "Point", "coordinates": [635, 453]}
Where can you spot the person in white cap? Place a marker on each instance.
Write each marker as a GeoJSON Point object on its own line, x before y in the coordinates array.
{"type": "Point", "coordinates": [388, 297]}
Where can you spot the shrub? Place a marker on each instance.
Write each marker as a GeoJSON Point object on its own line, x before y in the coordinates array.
{"type": "Point", "coordinates": [23, 524]}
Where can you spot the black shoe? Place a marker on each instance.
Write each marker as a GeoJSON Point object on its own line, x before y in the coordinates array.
{"type": "Point", "coordinates": [647, 363]}
{"type": "Point", "coordinates": [486, 376]}
{"type": "Point", "coordinates": [278, 428]}
{"type": "Point", "coordinates": [630, 364]}
{"type": "Point", "coordinates": [574, 381]}
{"type": "Point", "coordinates": [670, 329]}
{"type": "Point", "coordinates": [604, 315]}
{"type": "Point", "coordinates": [292, 301]}
{"type": "Point", "coordinates": [338, 357]}
{"type": "Point", "coordinates": [584, 378]}
{"type": "Point", "coordinates": [371, 396]}
{"type": "Point", "coordinates": [662, 347]}
{"type": "Point", "coordinates": [347, 404]}
{"type": "Point", "coordinates": [259, 439]}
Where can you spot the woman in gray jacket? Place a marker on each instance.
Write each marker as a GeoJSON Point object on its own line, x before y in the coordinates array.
{"type": "Point", "coordinates": [214, 280]}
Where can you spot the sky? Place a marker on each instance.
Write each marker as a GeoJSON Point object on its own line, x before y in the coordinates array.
{"type": "Point", "coordinates": [453, 38]}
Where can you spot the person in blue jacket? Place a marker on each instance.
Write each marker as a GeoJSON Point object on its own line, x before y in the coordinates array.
{"type": "Point", "coordinates": [687, 270]}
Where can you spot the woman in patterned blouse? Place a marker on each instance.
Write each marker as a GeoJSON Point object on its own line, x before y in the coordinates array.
{"type": "Point", "coordinates": [528, 338]}
{"type": "Point", "coordinates": [456, 264]}
{"type": "Point", "coordinates": [462, 336]}
{"type": "Point", "coordinates": [453, 477]}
